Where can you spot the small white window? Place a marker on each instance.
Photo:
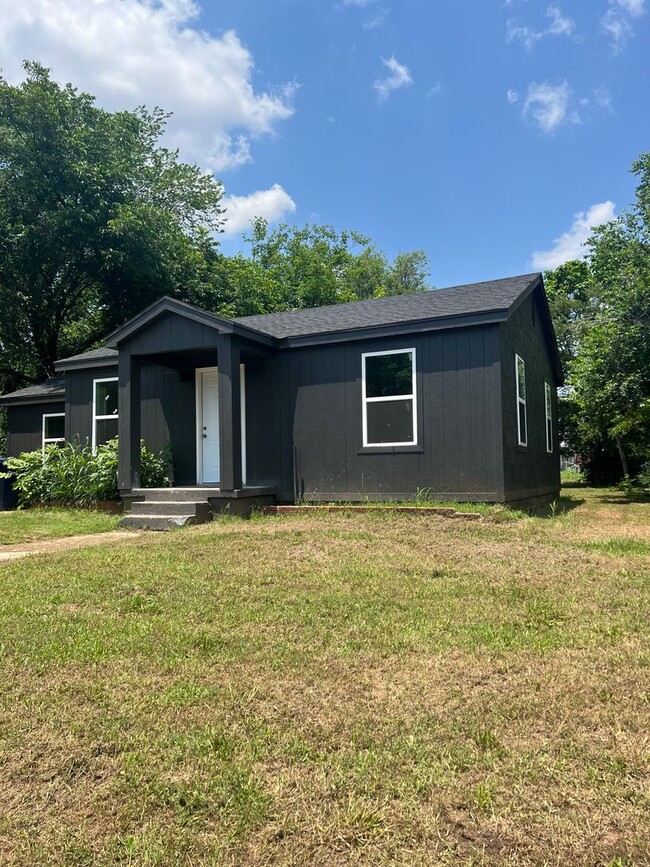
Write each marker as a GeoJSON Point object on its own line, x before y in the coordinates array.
{"type": "Point", "coordinates": [53, 428]}
{"type": "Point", "coordinates": [520, 375]}
{"type": "Point", "coordinates": [389, 403]}
{"type": "Point", "coordinates": [104, 410]}
{"type": "Point", "coordinates": [548, 396]}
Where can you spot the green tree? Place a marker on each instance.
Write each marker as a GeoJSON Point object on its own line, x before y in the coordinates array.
{"type": "Point", "coordinates": [96, 220]}
{"type": "Point", "coordinates": [408, 273]}
{"type": "Point", "coordinates": [289, 268]}
{"type": "Point", "coordinates": [601, 311]}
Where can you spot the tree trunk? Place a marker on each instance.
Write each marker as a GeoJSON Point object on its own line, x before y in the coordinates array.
{"type": "Point", "coordinates": [621, 454]}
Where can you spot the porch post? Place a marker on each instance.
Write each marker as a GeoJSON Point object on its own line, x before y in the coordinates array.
{"type": "Point", "coordinates": [228, 355]}
{"type": "Point", "coordinates": [128, 424]}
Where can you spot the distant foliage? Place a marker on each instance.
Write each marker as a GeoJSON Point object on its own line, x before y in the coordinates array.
{"type": "Point", "coordinates": [74, 474]}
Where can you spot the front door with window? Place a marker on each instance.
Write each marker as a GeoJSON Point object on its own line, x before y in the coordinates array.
{"type": "Point", "coordinates": [207, 403]}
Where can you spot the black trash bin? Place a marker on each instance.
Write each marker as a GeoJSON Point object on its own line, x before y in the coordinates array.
{"type": "Point", "coordinates": [8, 498]}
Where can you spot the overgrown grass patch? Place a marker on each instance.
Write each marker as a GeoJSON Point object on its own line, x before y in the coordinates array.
{"type": "Point", "coordinates": [36, 524]}
{"type": "Point", "coordinates": [333, 689]}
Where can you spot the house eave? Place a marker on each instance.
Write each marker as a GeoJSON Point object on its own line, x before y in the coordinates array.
{"type": "Point", "coordinates": [54, 397]}
{"type": "Point", "coordinates": [394, 330]}
{"type": "Point", "coordinates": [84, 364]}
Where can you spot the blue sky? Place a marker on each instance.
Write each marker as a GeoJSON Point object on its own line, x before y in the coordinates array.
{"type": "Point", "coordinates": [490, 134]}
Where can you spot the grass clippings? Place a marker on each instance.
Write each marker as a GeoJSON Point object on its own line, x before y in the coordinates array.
{"type": "Point", "coordinates": [334, 689]}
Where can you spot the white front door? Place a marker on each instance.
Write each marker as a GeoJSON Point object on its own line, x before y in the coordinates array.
{"type": "Point", "coordinates": [207, 417]}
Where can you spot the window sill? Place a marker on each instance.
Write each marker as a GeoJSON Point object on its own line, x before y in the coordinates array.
{"type": "Point", "coordinates": [391, 450]}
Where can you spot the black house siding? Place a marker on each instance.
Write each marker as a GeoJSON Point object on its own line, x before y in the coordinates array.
{"type": "Point", "coordinates": [529, 471]}
{"type": "Point", "coordinates": [168, 413]}
{"type": "Point", "coordinates": [25, 426]}
{"type": "Point", "coordinates": [304, 421]}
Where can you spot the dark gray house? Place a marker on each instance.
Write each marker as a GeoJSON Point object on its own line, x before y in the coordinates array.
{"type": "Point", "coordinates": [451, 391]}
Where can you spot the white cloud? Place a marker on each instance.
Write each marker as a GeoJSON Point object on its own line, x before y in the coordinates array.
{"type": "Point", "coordinates": [560, 25]}
{"type": "Point", "coordinates": [376, 20]}
{"type": "Point", "coordinates": [435, 89]}
{"type": "Point", "coordinates": [132, 52]}
{"type": "Point", "coordinates": [272, 204]}
{"type": "Point", "coordinates": [570, 245]}
{"type": "Point", "coordinates": [632, 7]}
{"type": "Point", "coordinates": [616, 23]}
{"type": "Point", "coordinates": [548, 105]}
{"type": "Point", "coordinates": [398, 76]}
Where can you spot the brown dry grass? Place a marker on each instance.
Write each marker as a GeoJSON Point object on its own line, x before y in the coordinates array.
{"type": "Point", "coordinates": [334, 689]}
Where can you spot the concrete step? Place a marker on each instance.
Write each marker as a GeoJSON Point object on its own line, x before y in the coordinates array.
{"type": "Point", "coordinates": [172, 507]}
{"type": "Point", "coordinates": [158, 522]}
{"type": "Point", "coordinates": [175, 495]}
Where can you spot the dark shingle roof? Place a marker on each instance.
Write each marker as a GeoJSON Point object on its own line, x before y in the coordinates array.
{"type": "Point", "coordinates": [491, 296]}
{"type": "Point", "coordinates": [103, 353]}
{"type": "Point", "coordinates": [53, 389]}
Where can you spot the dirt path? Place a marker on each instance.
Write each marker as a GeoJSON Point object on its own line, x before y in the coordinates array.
{"type": "Point", "coordinates": [67, 543]}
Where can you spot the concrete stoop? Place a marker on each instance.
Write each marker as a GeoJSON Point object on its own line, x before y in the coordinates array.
{"type": "Point", "coordinates": [167, 509]}
{"type": "Point", "coordinates": [170, 508]}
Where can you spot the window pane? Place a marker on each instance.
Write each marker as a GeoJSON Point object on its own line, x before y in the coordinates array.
{"type": "Point", "coordinates": [54, 427]}
{"type": "Point", "coordinates": [106, 398]}
{"type": "Point", "coordinates": [523, 438]}
{"type": "Point", "coordinates": [106, 430]}
{"type": "Point", "coordinates": [549, 435]}
{"type": "Point", "coordinates": [521, 378]}
{"type": "Point", "coordinates": [389, 375]}
{"type": "Point", "coordinates": [390, 421]}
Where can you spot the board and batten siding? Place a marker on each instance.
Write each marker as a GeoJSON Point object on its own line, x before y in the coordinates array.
{"type": "Point", "coordinates": [25, 426]}
{"type": "Point", "coordinates": [304, 421]}
{"type": "Point", "coordinates": [529, 471]}
{"type": "Point", "coordinates": [167, 412]}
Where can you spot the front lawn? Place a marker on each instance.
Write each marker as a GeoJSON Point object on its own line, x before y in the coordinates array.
{"type": "Point", "coordinates": [334, 689]}
{"type": "Point", "coordinates": [35, 525]}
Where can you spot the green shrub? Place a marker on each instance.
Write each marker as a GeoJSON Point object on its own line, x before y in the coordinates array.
{"type": "Point", "coordinates": [73, 473]}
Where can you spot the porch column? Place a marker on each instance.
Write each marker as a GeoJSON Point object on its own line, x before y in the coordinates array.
{"type": "Point", "coordinates": [228, 355]}
{"type": "Point", "coordinates": [128, 425]}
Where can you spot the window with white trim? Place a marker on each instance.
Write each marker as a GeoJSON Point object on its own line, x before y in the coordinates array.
{"type": "Point", "coordinates": [53, 428]}
{"type": "Point", "coordinates": [389, 401]}
{"type": "Point", "coordinates": [104, 410]}
{"type": "Point", "coordinates": [522, 425]}
{"type": "Point", "coordinates": [548, 400]}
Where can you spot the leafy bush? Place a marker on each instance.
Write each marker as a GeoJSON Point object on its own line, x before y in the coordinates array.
{"type": "Point", "coordinates": [73, 473]}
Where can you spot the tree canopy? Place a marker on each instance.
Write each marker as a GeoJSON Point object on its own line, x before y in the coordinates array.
{"type": "Point", "coordinates": [601, 310]}
{"type": "Point", "coordinates": [96, 220]}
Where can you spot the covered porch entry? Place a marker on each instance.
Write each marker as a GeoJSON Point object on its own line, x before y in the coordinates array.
{"type": "Point", "coordinates": [182, 388]}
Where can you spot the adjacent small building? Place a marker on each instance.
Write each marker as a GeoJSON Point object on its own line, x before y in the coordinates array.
{"type": "Point", "coordinates": [449, 394]}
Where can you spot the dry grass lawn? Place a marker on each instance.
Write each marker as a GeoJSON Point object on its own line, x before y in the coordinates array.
{"type": "Point", "coordinates": [334, 689]}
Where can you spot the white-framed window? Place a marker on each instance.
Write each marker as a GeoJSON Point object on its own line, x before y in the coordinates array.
{"type": "Point", "coordinates": [53, 428]}
{"type": "Point", "coordinates": [522, 425]}
{"type": "Point", "coordinates": [104, 410]}
{"type": "Point", "coordinates": [389, 399]}
{"type": "Point", "coordinates": [548, 403]}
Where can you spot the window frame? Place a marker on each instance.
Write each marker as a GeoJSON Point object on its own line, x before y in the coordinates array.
{"type": "Point", "coordinates": [548, 417]}
{"type": "Point", "coordinates": [97, 418]}
{"type": "Point", "coordinates": [48, 441]}
{"type": "Point", "coordinates": [366, 400]}
{"type": "Point", "coordinates": [521, 401]}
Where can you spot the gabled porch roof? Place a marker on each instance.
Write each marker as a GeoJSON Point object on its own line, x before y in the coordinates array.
{"type": "Point", "coordinates": [164, 305]}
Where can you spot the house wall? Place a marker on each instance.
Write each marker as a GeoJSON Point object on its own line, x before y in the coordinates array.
{"type": "Point", "coordinates": [304, 421]}
{"type": "Point", "coordinates": [529, 472]}
{"type": "Point", "coordinates": [167, 412]}
{"type": "Point", "coordinates": [25, 426]}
